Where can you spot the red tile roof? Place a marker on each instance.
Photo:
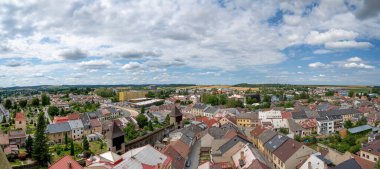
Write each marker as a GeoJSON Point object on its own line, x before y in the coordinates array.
{"type": "Point", "coordinates": [256, 164]}
{"type": "Point", "coordinates": [208, 121]}
{"type": "Point", "coordinates": [95, 123]}
{"type": "Point", "coordinates": [364, 163]}
{"type": "Point", "coordinates": [65, 162]}
{"type": "Point", "coordinates": [287, 149]}
{"type": "Point", "coordinates": [286, 115]}
{"type": "Point", "coordinates": [73, 116]}
{"type": "Point", "coordinates": [20, 116]}
{"type": "Point", "coordinates": [181, 148]}
{"type": "Point", "coordinates": [373, 148]}
{"type": "Point", "coordinates": [257, 131]}
{"type": "Point", "coordinates": [59, 119]}
{"type": "Point", "coordinates": [178, 161]}
{"type": "Point", "coordinates": [309, 123]}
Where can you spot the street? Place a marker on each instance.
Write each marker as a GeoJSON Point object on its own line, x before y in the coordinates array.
{"type": "Point", "coordinates": [46, 114]}
{"type": "Point", "coordinates": [194, 155]}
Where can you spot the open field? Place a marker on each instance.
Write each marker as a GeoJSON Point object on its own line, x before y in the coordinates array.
{"type": "Point", "coordinates": [221, 86]}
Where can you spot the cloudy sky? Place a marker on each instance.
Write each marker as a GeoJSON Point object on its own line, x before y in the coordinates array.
{"type": "Point", "coordinates": [189, 41]}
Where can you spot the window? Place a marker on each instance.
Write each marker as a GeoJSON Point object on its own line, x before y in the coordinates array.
{"type": "Point", "coordinates": [367, 156]}
{"type": "Point", "coordinates": [375, 159]}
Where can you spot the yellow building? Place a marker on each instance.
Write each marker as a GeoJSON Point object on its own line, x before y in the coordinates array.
{"type": "Point", "coordinates": [247, 119]}
{"type": "Point", "coordinates": [132, 94]}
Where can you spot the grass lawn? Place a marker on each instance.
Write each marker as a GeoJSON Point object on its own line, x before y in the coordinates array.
{"type": "Point", "coordinates": [58, 151]}
{"type": "Point", "coordinates": [95, 147]}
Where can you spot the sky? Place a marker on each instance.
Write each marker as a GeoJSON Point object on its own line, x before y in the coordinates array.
{"type": "Point", "coordinates": [66, 42]}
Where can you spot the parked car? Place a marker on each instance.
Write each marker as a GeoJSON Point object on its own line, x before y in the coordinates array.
{"type": "Point", "coordinates": [188, 163]}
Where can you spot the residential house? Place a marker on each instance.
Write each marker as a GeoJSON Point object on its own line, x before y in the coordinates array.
{"type": "Point", "coordinates": [77, 129]}
{"type": "Point", "coordinates": [150, 157]}
{"type": "Point", "coordinates": [244, 157]}
{"type": "Point", "coordinates": [329, 124]}
{"type": "Point", "coordinates": [308, 126]}
{"type": "Point", "coordinates": [198, 109]}
{"type": "Point", "coordinates": [66, 162]}
{"type": "Point", "coordinates": [271, 145]}
{"type": "Point", "coordinates": [178, 161]}
{"type": "Point", "coordinates": [315, 161]}
{"type": "Point", "coordinates": [294, 128]}
{"type": "Point", "coordinates": [56, 132]}
{"type": "Point", "coordinates": [17, 137]}
{"type": "Point", "coordinates": [346, 114]}
{"type": "Point", "coordinates": [299, 116]}
{"type": "Point", "coordinates": [371, 152]}
{"type": "Point", "coordinates": [265, 137]}
{"type": "Point", "coordinates": [4, 140]}
{"type": "Point", "coordinates": [355, 163]}
{"type": "Point", "coordinates": [210, 111]}
{"type": "Point", "coordinates": [96, 126]}
{"type": "Point", "coordinates": [228, 119]}
{"type": "Point", "coordinates": [247, 119]}
{"type": "Point", "coordinates": [20, 121]}
{"type": "Point", "coordinates": [255, 133]}
{"type": "Point", "coordinates": [290, 153]}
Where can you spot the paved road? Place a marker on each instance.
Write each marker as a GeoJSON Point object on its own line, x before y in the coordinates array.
{"type": "Point", "coordinates": [46, 114]}
{"type": "Point", "coordinates": [194, 155]}
{"type": "Point", "coordinates": [132, 111]}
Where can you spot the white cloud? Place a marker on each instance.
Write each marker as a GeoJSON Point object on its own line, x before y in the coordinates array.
{"type": "Point", "coordinates": [347, 44]}
{"type": "Point", "coordinates": [358, 65]}
{"type": "Point", "coordinates": [322, 51]}
{"type": "Point", "coordinates": [72, 54]}
{"type": "Point", "coordinates": [95, 64]}
{"type": "Point", "coordinates": [354, 59]}
{"type": "Point", "coordinates": [132, 65]}
{"type": "Point", "coordinates": [316, 65]}
{"type": "Point", "coordinates": [316, 38]}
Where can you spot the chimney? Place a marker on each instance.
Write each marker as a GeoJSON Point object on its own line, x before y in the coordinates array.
{"type": "Point", "coordinates": [293, 145]}
{"type": "Point", "coordinates": [242, 155]}
{"type": "Point", "coordinates": [69, 165]}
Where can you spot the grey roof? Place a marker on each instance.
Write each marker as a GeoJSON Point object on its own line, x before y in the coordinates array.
{"type": "Point", "coordinates": [323, 106]}
{"type": "Point", "coordinates": [252, 116]}
{"type": "Point", "coordinates": [299, 115]}
{"type": "Point", "coordinates": [219, 133]}
{"type": "Point", "coordinates": [326, 161]}
{"type": "Point", "coordinates": [232, 142]}
{"type": "Point", "coordinates": [211, 110]}
{"type": "Point", "coordinates": [199, 106]}
{"type": "Point", "coordinates": [360, 129]}
{"type": "Point", "coordinates": [275, 142]}
{"type": "Point", "coordinates": [93, 115]}
{"type": "Point", "coordinates": [338, 112]}
{"type": "Point", "coordinates": [74, 124]}
{"type": "Point", "coordinates": [58, 127]}
{"type": "Point", "coordinates": [266, 136]}
{"type": "Point", "coordinates": [311, 114]}
{"type": "Point", "coordinates": [85, 120]}
{"type": "Point", "coordinates": [329, 118]}
{"type": "Point", "coordinates": [349, 164]}
{"type": "Point", "coordinates": [293, 126]}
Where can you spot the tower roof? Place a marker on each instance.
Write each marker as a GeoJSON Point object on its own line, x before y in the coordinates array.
{"type": "Point", "coordinates": [175, 112]}
{"type": "Point", "coordinates": [115, 131]}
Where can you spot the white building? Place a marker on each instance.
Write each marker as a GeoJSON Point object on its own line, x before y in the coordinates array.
{"type": "Point", "coordinates": [271, 114]}
{"type": "Point", "coordinates": [316, 161]}
{"type": "Point", "coordinates": [76, 129]}
{"type": "Point", "coordinates": [325, 125]}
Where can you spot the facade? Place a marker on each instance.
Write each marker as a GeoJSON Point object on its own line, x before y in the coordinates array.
{"type": "Point", "coordinates": [127, 95]}
{"type": "Point", "coordinates": [56, 132]}
{"type": "Point", "coordinates": [17, 137]}
{"type": "Point", "coordinates": [290, 153]}
{"type": "Point", "coordinates": [176, 118]}
{"type": "Point", "coordinates": [371, 152]}
{"type": "Point", "coordinates": [316, 161]}
{"type": "Point", "coordinates": [247, 119]}
{"type": "Point", "coordinates": [20, 121]}
{"type": "Point", "coordinates": [77, 129]}
{"type": "Point", "coordinates": [115, 139]}
{"type": "Point", "coordinates": [329, 124]}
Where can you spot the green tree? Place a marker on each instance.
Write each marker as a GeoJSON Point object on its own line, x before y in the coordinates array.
{"type": "Point", "coordinates": [72, 148]}
{"type": "Point", "coordinates": [40, 146]}
{"type": "Point", "coordinates": [150, 125]}
{"type": "Point", "coordinates": [66, 139]}
{"type": "Point", "coordinates": [348, 124]}
{"type": "Point", "coordinates": [142, 120]}
{"type": "Point", "coordinates": [361, 121]}
{"type": "Point", "coordinates": [377, 164]}
{"type": "Point", "coordinates": [167, 120]}
{"type": "Point", "coordinates": [8, 104]}
{"type": "Point", "coordinates": [53, 111]}
{"type": "Point", "coordinates": [142, 110]}
{"type": "Point", "coordinates": [45, 100]}
{"type": "Point", "coordinates": [23, 103]}
{"type": "Point", "coordinates": [35, 102]}
{"type": "Point", "coordinates": [86, 145]}
{"type": "Point", "coordinates": [29, 146]}
{"type": "Point", "coordinates": [351, 93]}
{"type": "Point", "coordinates": [130, 132]}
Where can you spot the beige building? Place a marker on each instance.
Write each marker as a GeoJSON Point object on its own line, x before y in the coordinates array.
{"type": "Point", "coordinates": [371, 152]}
{"type": "Point", "coordinates": [56, 132]}
{"type": "Point", "coordinates": [132, 94]}
{"type": "Point", "coordinates": [290, 154]}
{"type": "Point", "coordinates": [20, 121]}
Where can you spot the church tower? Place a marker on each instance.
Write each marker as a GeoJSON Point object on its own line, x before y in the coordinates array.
{"type": "Point", "coordinates": [176, 118]}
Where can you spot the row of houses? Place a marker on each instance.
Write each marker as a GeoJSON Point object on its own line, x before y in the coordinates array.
{"type": "Point", "coordinates": [78, 125]}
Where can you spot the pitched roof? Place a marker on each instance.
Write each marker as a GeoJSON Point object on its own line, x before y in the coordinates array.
{"type": "Point", "coordinates": [115, 132]}
{"type": "Point", "coordinates": [175, 112]}
{"type": "Point", "coordinates": [286, 115]}
{"type": "Point", "coordinates": [110, 156]}
{"type": "Point", "coordinates": [232, 142]}
{"type": "Point", "coordinates": [95, 123]}
{"type": "Point", "coordinates": [251, 116]}
{"type": "Point", "coordinates": [180, 147]}
{"type": "Point", "coordinates": [257, 164]}
{"type": "Point", "coordinates": [293, 126]}
{"type": "Point", "coordinates": [74, 124]}
{"type": "Point", "coordinates": [148, 155]}
{"type": "Point", "coordinates": [178, 161]}
{"type": "Point", "coordinates": [208, 121]}
{"type": "Point", "coordinates": [20, 116]}
{"type": "Point", "coordinates": [349, 164]}
{"type": "Point", "coordinates": [199, 106]}
{"type": "Point", "coordinates": [58, 127]}
{"type": "Point", "coordinates": [73, 116]}
{"type": "Point", "coordinates": [275, 142]}
{"type": "Point", "coordinates": [66, 162]}
{"type": "Point", "coordinates": [59, 119]}
{"type": "Point", "coordinates": [287, 149]}
{"type": "Point", "coordinates": [338, 112]}
{"type": "Point", "coordinates": [211, 110]}
{"type": "Point", "coordinates": [360, 129]}
{"type": "Point", "coordinates": [266, 136]}
{"type": "Point", "coordinates": [299, 115]}
{"type": "Point", "coordinates": [364, 164]}
{"type": "Point", "coordinates": [257, 131]}
{"type": "Point", "coordinates": [4, 139]}
{"type": "Point", "coordinates": [373, 148]}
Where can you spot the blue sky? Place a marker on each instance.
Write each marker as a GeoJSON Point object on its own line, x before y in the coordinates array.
{"type": "Point", "coordinates": [200, 42]}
